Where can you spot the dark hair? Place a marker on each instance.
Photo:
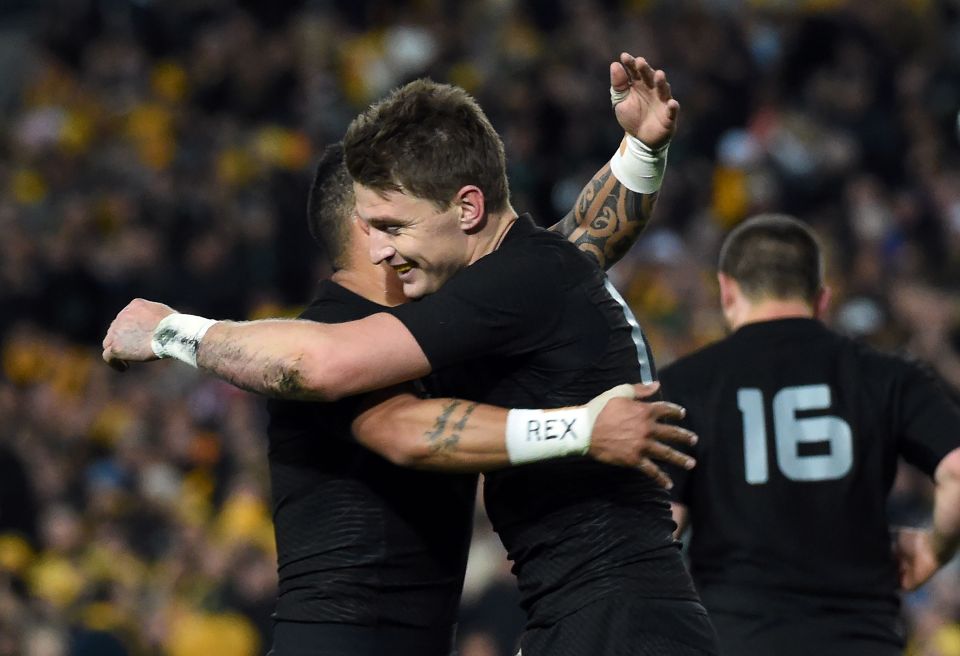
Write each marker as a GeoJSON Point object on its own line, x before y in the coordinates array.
{"type": "Point", "coordinates": [773, 256]}
{"type": "Point", "coordinates": [429, 140]}
{"type": "Point", "coordinates": [330, 205]}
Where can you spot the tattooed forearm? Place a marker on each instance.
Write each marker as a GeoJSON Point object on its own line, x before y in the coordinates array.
{"type": "Point", "coordinates": [438, 438]}
{"type": "Point", "coordinates": [252, 371]}
{"type": "Point", "coordinates": [440, 425]}
{"type": "Point", "coordinates": [607, 218]}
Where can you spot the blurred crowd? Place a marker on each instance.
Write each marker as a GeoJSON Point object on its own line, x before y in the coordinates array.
{"type": "Point", "coordinates": [163, 148]}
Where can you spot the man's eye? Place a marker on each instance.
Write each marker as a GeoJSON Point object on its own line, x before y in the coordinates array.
{"type": "Point", "coordinates": [392, 230]}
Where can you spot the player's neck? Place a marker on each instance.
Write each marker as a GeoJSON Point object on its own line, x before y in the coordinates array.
{"type": "Point", "coordinates": [376, 283]}
{"type": "Point", "coordinates": [493, 234]}
{"type": "Point", "coordinates": [770, 310]}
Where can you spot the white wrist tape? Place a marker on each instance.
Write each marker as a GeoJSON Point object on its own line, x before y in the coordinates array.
{"type": "Point", "coordinates": [178, 336]}
{"type": "Point", "coordinates": [534, 435]}
{"type": "Point", "coordinates": [638, 167]}
{"type": "Point", "coordinates": [617, 97]}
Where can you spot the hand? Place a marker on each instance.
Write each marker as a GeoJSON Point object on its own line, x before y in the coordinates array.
{"type": "Point", "coordinates": [916, 554]}
{"type": "Point", "coordinates": [649, 112]}
{"type": "Point", "coordinates": [630, 433]}
{"type": "Point", "coordinates": [129, 336]}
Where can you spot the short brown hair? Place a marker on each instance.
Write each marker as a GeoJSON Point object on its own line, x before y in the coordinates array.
{"type": "Point", "coordinates": [773, 256]}
{"type": "Point", "coordinates": [330, 206]}
{"type": "Point", "coordinates": [429, 140]}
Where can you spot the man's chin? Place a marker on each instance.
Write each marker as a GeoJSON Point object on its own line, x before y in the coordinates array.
{"type": "Point", "coordinates": [420, 286]}
{"type": "Point", "coordinates": [414, 290]}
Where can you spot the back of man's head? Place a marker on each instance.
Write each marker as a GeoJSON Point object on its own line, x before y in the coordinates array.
{"type": "Point", "coordinates": [330, 206]}
{"type": "Point", "coordinates": [773, 256]}
{"type": "Point", "coordinates": [428, 140]}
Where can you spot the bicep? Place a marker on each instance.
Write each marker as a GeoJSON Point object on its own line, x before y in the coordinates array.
{"type": "Point", "coordinates": [369, 354]}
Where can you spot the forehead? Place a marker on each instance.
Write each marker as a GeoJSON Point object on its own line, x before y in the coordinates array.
{"type": "Point", "coordinates": [394, 206]}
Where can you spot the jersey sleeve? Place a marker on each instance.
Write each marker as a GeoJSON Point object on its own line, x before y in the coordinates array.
{"type": "Point", "coordinates": [929, 426]}
{"type": "Point", "coordinates": [501, 306]}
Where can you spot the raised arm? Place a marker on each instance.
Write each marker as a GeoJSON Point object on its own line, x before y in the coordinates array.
{"type": "Point", "coordinates": [616, 428]}
{"type": "Point", "coordinates": [287, 359]}
{"type": "Point", "coordinates": [922, 552]}
{"type": "Point", "coordinates": [615, 206]}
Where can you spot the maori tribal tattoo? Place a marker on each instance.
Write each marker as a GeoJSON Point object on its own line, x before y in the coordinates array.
{"type": "Point", "coordinates": [607, 218]}
{"type": "Point", "coordinates": [440, 438]}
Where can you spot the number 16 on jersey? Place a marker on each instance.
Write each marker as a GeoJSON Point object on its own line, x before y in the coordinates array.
{"type": "Point", "coordinates": [790, 432]}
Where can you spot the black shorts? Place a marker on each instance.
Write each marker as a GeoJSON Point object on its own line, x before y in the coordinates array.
{"type": "Point", "coordinates": [621, 626]}
{"type": "Point", "coordinates": [329, 639]}
{"type": "Point", "coordinates": [801, 634]}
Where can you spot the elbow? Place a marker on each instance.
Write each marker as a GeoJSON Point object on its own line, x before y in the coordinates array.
{"type": "Point", "coordinates": [948, 471]}
{"type": "Point", "coordinates": [404, 450]}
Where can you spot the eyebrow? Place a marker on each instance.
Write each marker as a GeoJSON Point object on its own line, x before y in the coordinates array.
{"type": "Point", "coordinates": [385, 221]}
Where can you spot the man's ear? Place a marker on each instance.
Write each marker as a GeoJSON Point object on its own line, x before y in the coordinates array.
{"type": "Point", "coordinates": [822, 302]}
{"type": "Point", "coordinates": [729, 290]}
{"type": "Point", "coordinates": [471, 205]}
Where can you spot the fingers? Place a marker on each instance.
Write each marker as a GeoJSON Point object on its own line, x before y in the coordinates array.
{"type": "Point", "coordinates": [645, 390]}
{"type": "Point", "coordinates": [118, 365]}
{"type": "Point", "coordinates": [673, 109]}
{"type": "Point", "coordinates": [673, 434]}
{"type": "Point", "coordinates": [650, 469]}
{"type": "Point", "coordinates": [666, 410]}
{"type": "Point", "coordinates": [664, 453]}
{"type": "Point", "coordinates": [638, 68]}
{"type": "Point", "coordinates": [661, 86]}
{"type": "Point", "coordinates": [108, 357]}
{"type": "Point", "coordinates": [628, 63]}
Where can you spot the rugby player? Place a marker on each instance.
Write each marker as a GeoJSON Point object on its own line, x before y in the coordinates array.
{"type": "Point", "coordinates": [526, 321]}
{"type": "Point", "coordinates": [800, 431]}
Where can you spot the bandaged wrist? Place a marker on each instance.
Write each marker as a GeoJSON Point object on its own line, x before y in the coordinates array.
{"type": "Point", "coordinates": [178, 336]}
{"type": "Point", "coordinates": [542, 434]}
{"type": "Point", "coordinates": [638, 167]}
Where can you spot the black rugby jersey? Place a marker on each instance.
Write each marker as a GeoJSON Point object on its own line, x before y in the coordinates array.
{"type": "Point", "coordinates": [360, 540]}
{"type": "Point", "coordinates": [800, 430]}
{"type": "Point", "coordinates": [536, 324]}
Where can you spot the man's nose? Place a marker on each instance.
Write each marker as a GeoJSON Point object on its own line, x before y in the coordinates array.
{"type": "Point", "coordinates": [380, 248]}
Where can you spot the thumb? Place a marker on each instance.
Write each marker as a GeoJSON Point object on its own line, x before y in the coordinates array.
{"type": "Point", "coordinates": [596, 405]}
{"type": "Point", "coordinates": [619, 78]}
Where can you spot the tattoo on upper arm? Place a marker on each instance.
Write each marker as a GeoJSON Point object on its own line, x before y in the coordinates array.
{"type": "Point", "coordinates": [439, 438]}
{"type": "Point", "coordinates": [607, 218]}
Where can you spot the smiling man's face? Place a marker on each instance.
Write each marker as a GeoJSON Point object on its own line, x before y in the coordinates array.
{"type": "Point", "coordinates": [424, 245]}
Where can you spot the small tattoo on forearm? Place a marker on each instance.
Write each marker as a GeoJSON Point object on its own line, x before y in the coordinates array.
{"type": "Point", "coordinates": [439, 441]}
{"type": "Point", "coordinates": [440, 425]}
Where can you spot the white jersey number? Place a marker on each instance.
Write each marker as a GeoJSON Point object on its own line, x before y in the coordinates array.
{"type": "Point", "coordinates": [790, 431]}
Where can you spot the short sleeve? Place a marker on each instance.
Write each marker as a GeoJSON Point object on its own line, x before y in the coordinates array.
{"type": "Point", "coordinates": [929, 420]}
{"type": "Point", "coordinates": [505, 304]}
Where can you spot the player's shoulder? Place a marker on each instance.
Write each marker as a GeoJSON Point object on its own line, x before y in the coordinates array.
{"type": "Point", "coordinates": [876, 364]}
{"type": "Point", "coordinates": [529, 254]}
{"type": "Point", "coordinates": [694, 367]}
{"type": "Point", "coordinates": [333, 303]}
